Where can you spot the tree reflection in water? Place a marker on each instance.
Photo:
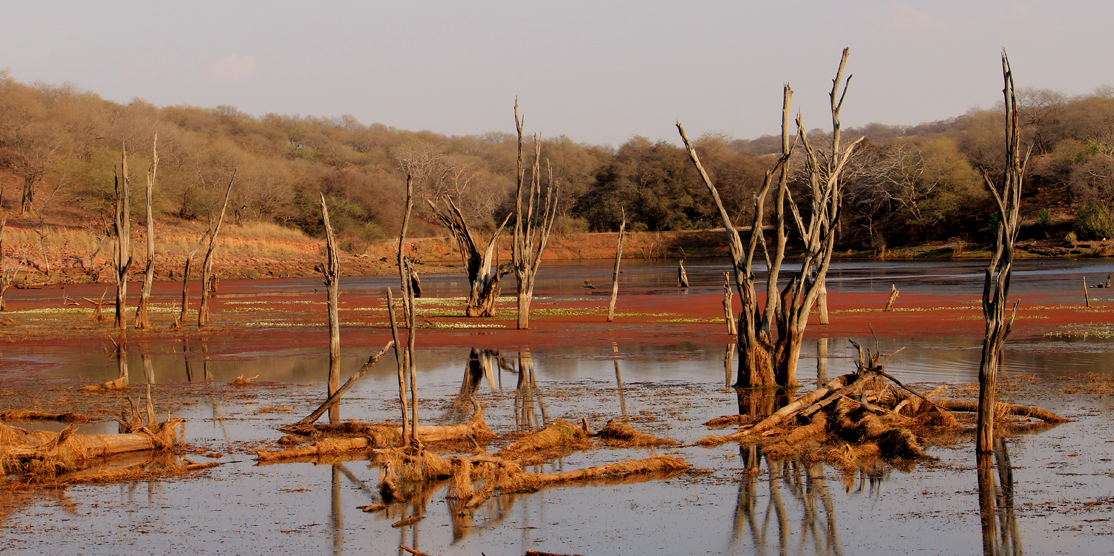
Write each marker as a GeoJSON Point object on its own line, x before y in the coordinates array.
{"type": "Point", "coordinates": [1000, 535]}
{"type": "Point", "coordinates": [525, 394]}
{"type": "Point", "coordinates": [805, 485]}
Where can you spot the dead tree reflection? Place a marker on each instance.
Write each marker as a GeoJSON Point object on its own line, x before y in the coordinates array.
{"type": "Point", "coordinates": [1000, 535]}
{"type": "Point", "coordinates": [525, 394]}
{"type": "Point", "coordinates": [619, 379]}
{"type": "Point", "coordinates": [336, 515]}
{"type": "Point", "coordinates": [821, 360]}
{"type": "Point", "coordinates": [148, 368]}
{"type": "Point", "coordinates": [788, 480]}
{"type": "Point", "coordinates": [728, 359]}
{"type": "Point", "coordinates": [481, 364]}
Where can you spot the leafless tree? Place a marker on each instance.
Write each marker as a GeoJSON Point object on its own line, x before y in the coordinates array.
{"type": "Point", "coordinates": [122, 254]}
{"type": "Point", "coordinates": [141, 319]}
{"type": "Point", "coordinates": [532, 225]}
{"type": "Point", "coordinates": [483, 273]}
{"type": "Point", "coordinates": [331, 273]}
{"type": "Point", "coordinates": [764, 361]}
{"type": "Point", "coordinates": [207, 266]}
{"type": "Point", "coordinates": [996, 284]}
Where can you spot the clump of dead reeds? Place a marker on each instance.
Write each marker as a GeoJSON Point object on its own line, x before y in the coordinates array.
{"type": "Point", "coordinates": [618, 434]}
{"type": "Point", "coordinates": [559, 433]}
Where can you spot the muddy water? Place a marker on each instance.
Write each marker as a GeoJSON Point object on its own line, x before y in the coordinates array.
{"type": "Point", "coordinates": [1058, 496]}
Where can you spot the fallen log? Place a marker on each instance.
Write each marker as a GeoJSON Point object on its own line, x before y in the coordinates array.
{"type": "Point", "coordinates": [526, 482]}
{"type": "Point", "coordinates": [386, 434]}
{"type": "Point", "coordinates": [972, 406]}
{"type": "Point", "coordinates": [782, 414]}
{"type": "Point", "coordinates": [328, 446]}
{"type": "Point", "coordinates": [47, 453]}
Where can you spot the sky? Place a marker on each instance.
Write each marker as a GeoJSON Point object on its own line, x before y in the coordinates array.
{"type": "Point", "coordinates": [596, 71]}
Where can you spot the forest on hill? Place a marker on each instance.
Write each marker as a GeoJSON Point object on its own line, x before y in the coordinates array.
{"type": "Point", "coordinates": [906, 184]}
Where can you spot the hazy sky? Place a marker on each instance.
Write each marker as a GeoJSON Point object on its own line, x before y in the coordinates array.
{"type": "Point", "coordinates": [597, 71]}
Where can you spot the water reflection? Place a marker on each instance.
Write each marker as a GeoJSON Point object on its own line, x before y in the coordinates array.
{"type": "Point", "coordinates": [790, 482]}
{"type": "Point", "coordinates": [525, 396]}
{"type": "Point", "coordinates": [619, 379]}
{"type": "Point", "coordinates": [1000, 535]}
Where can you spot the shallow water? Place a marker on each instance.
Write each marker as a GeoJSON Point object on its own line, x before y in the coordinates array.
{"type": "Point", "coordinates": [1061, 501]}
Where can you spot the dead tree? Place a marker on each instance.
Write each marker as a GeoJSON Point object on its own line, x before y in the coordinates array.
{"type": "Point", "coordinates": [996, 283]}
{"type": "Point", "coordinates": [755, 346]}
{"type": "Point", "coordinates": [893, 297]}
{"type": "Point", "coordinates": [532, 225]}
{"type": "Point", "coordinates": [728, 310]}
{"type": "Point", "coordinates": [615, 275]}
{"type": "Point", "coordinates": [818, 234]}
{"type": "Point", "coordinates": [122, 255]}
{"type": "Point", "coordinates": [7, 274]}
{"type": "Point", "coordinates": [331, 273]}
{"type": "Point", "coordinates": [141, 320]}
{"type": "Point", "coordinates": [763, 361]}
{"type": "Point", "coordinates": [404, 270]}
{"type": "Point", "coordinates": [482, 275]}
{"type": "Point", "coordinates": [186, 282]}
{"type": "Point", "coordinates": [207, 266]}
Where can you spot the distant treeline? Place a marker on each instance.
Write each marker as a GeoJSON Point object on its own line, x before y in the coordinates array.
{"type": "Point", "coordinates": [908, 184]}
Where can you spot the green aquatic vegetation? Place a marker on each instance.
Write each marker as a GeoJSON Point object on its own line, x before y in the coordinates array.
{"type": "Point", "coordinates": [57, 311]}
{"type": "Point", "coordinates": [458, 325]}
{"type": "Point", "coordinates": [567, 311]}
{"type": "Point", "coordinates": [1091, 329]}
{"type": "Point", "coordinates": [693, 320]}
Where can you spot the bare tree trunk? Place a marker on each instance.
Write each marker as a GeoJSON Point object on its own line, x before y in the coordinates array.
{"type": "Point", "coordinates": [186, 281]}
{"type": "Point", "coordinates": [822, 303]}
{"type": "Point", "coordinates": [331, 272]}
{"type": "Point", "coordinates": [122, 227]}
{"type": "Point", "coordinates": [207, 267]}
{"type": "Point", "coordinates": [141, 320]}
{"type": "Point", "coordinates": [401, 358]}
{"type": "Point", "coordinates": [483, 276]}
{"type": "Point", "coordinates": [531, 226]}
{"type": "Point", "coordinates": [728, 310]}
{"type": "Point", "coordinates": [756, 369]}
{"type": "Point", "coordinates": [893, 297]}
{"type": "Point", "coordinates": [615, 274]}
{"type": "Point", "coordinates": [818, 233]}
{"type": "Point", "coordinates": [403, 265]}
{"type": "Point", "coordinates": [996, 285]}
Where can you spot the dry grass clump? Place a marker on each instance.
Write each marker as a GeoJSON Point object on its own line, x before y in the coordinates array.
{"type": "Point", "coordinates": [616, 434]}
{"type": "Point", "coordinates": [558, 434]}
{"type": "Point", "coordinates": [241, 381]}
{"type": "Point", "coordinates": [23, 415]}
{"type": "Point", "coordinates": [526, 482]}
{"type": "Point", "coordinates": [112, 385]}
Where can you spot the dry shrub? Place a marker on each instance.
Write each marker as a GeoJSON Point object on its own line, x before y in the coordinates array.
{"type": "Point", "coordinates": [618, 434]}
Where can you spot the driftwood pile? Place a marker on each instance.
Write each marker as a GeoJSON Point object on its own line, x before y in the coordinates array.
{"type": "Point", "coordinates": [859, 417]}
{"type": "Point", "coordinates": [473, 479]}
